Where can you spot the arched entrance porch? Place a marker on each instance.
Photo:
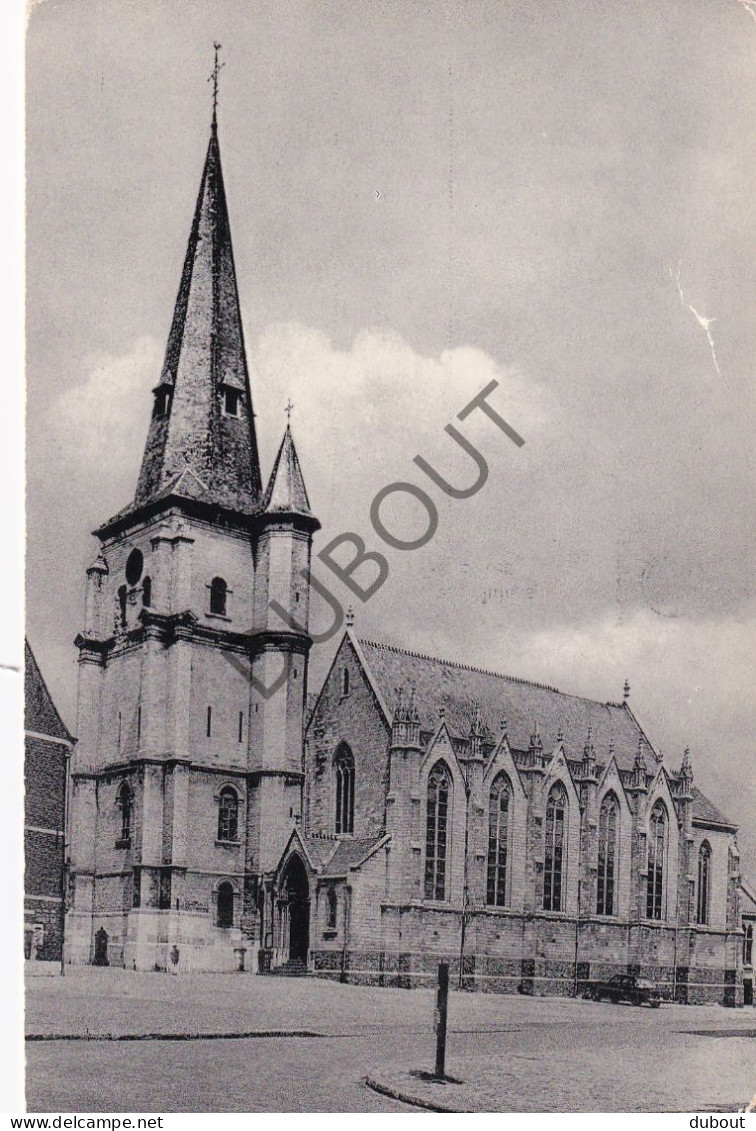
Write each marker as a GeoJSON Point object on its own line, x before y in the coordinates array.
{"type": "Point", "coordinates": [294, 911]}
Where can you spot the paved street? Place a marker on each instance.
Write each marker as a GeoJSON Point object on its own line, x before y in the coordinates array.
{"type": "Point", "coordinates": [512, 1053]}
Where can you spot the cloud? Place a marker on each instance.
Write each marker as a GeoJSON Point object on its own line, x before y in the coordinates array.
{"type": "Point", "coordinates": [108, 411]}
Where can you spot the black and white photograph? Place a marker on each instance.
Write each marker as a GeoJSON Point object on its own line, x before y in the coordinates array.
{"type": "Point", "coordinates": [389, 607]}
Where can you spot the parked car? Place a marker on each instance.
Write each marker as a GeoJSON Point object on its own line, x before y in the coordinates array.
{"type": "Point", "coordinates": [626, 987]}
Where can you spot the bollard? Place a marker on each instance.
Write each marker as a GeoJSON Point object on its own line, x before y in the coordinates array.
{"type": "Point", "coordinates": [442, 999]}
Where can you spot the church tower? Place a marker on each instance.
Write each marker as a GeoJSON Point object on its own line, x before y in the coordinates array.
{"type": "Point", "coordinates": [187, 774]}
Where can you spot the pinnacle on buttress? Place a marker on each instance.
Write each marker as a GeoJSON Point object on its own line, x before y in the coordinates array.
{"type": "Point", "coordinates": [405, 727]}
{"type": "Point", "coordinates": [639, 766]}
{"type": "Point", "coordinates": [589, 752]}
{"type": "Point", "coordinates": [686, 769]}
{"type": "Point", "coordinates": [477, 729]}
{"type": "Point", "coordinates": [477, 732]}
{"type": "Point", "coordinates": [535, 748]}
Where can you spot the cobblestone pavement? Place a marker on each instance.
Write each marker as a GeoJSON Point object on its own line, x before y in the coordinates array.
{"type": "Point", "coordinates": [512, 1053]}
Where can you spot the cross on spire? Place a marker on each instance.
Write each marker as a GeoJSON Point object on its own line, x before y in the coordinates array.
{"type": "Point", "coordinates": [289, 409]}
{"type": "Point", "coordinates": [213, 78]}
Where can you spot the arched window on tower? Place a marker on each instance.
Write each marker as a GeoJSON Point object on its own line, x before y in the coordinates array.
{"type": "Point", "coordinates": [554, 859]}
{"type": "Point", "coordinates": [344, 769]}
{"type": "Point", "coordinates": [607, 856]}
{"type": "Point", "coordinates": [748, 944]}
{"type": "Point", "coordinates": [657, 853]}
{"type": "Point", "coordinates": [436, 831]}
{"type": "Point", "coordinates": [225, 912]}
{"type": "Point", "coordinates": [228, 815]}
{"type": "Point", "coordinates": [498, 839]}
{"type": "Point", "coordinates": [704, 883]}
{"type": "Point", "coordinates": [218, 596]}
{"type": "Point", "coordinates": [125, 802]}
{"type": "Point", "coordinates": [147, 592]}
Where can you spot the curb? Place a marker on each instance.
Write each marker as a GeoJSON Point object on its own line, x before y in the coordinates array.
{"type": "Point", "coordinates": [174, 1036]}
{"type": "Point", "coordinates": [403, 1097]}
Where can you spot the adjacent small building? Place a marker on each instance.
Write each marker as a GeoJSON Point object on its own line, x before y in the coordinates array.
{"type": "Point", "coordinates": [47, 749]}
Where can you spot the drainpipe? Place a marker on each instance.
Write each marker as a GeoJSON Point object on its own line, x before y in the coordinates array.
{"type": "Point", "coordinates": [64, 869]}
{"type": "Point", "coordinates": [465, 880]}
{"type": "Point", "coordinates": [347, 916]}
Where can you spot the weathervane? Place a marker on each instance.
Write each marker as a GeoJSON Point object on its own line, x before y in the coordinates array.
{"type": "Point", "coordinates": [288, 410]}
{"type": "Point", "coordinates": [213, 78]}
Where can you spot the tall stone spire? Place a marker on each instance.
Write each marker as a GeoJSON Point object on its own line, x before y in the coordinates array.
{"type": "Point", "coordinates": [201, 442]}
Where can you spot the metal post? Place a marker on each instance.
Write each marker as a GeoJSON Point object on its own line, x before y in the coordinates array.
{"type": "Point", "coordinates": [64, 872]}
{"type": "Point", "coordinates": [442, 1000]}
{"type": "Point", "coordinates": [465, 883]}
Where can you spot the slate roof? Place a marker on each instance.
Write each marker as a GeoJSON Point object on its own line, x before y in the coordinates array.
{"type": "Point", "coordinates": [333, 857]}
{"type": "Point", "coordinates": [526, 706]}
{"type": "Point", "coordinates": [286, 491]}
{"type": "Point", "coordinates": [205, 352]}
{"type": "Point", "coordinates": [349, 852]}
{"type": "Point", "coordinates": [705, 810]}
{"type": "Point", "coordinates": [318, 848]}
{"type": "Point", "coordinates": [747, 898]}
{"type": "Point", "coordinates": [40, 713]}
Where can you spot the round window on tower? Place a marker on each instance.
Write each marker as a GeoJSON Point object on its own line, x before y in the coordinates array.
{"type": "Point", "coordinates": [134, 566]}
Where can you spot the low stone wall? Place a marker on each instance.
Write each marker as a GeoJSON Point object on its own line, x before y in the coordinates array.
{"type": "Point", "coordinates": [530, 976]}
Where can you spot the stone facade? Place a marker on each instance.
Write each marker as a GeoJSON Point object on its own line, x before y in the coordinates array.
{"type": "Point", "coordinates": [396, 931]}
{"type": "Point", "coordinates": [187, 774]}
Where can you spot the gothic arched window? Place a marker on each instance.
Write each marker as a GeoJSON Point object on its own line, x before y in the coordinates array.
{"type": "Point", "coordinates": [344, 767]}
{"type": "Point", "coordinates": [228, 814]}
{"type": "Point", "coordinates": [607, 855]}
{"type": "Point", "coordinates": [657, 852]}
{"type": "Point", "coordinates": [125, 802]}
{"type": "Point", "coordinates": [218, 595]}
{"type": "Point", "coordinates": [225, 912]}
{"type": "Point", "coordinates": [748, 944]}
{"type": "Point", "coordinates": [555, 856]}
{"type": "Point", "coordinates": [498, 837]}
{"type": "Point", "coordinates": [436, 831]}
{"type": "Point", "coordinates": [704, 883]}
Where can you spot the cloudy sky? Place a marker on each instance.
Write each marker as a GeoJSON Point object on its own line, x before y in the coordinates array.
{"type": "Point", "coordinates": [425, 197]}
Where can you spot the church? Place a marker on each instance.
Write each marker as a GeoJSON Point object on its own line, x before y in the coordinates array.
{"type": "Point", "coordinates": [415, 810]}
